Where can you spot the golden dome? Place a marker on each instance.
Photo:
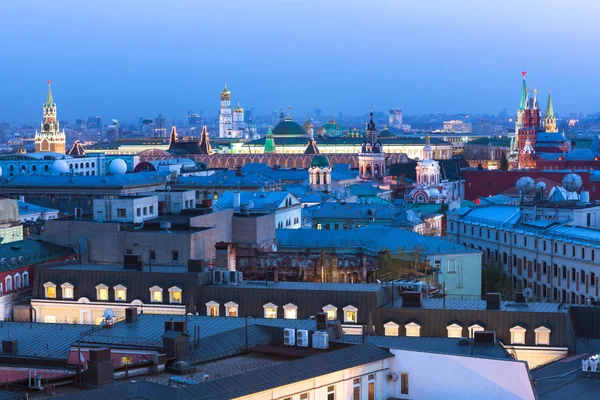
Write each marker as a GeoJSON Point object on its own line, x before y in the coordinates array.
{"type": "Point", "coordinates": [238, 108]}
{"type": "Point", "coordinates": [225, 92]}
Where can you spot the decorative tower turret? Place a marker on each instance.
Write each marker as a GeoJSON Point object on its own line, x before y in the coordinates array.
{"type": "Point", "coordinates": [308, 127]}
{"type": "Point", "coordinates": [549, 118]}
{"type": "Point", "coordinates": [269, 143]}
{"type": "Point", "coordinates": [320, 173]}
{"type": "Point", "coordinates": [238, 121]}
{"type": "Point", "coordinates": [50, 138]}
{"type": "Point", "coordinates": [225, 120]}
{"type": "Point", "coordinates": [371, 160]}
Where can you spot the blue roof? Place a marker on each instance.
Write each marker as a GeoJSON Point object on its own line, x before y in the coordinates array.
{"type": "Point", "coordinates": [29, 208]}
{"type": "Point", "coordinates": [125, 180]}
{"type": "Point", "coordinates": [222, 179]}
{"type": "Point", "coordinates": [335, 210]}
{"type": "Point", "coordinates": [267, 201]}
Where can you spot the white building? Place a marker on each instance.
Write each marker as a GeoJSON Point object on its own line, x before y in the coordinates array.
{"type": "Point", "coordinates": [285, 205]}
{"type": "Point", "coordinates": [173, 201]}
{"type": "Point", "coordinates": [43, 164]}
{"type": "Point", "coordinates": [457, 126]}
{"type": "Point", "coordinates": [136, 209]}
{"type": "Point", "coordinates": [230, 126]}
{"type": "Point", "coordinates": [33, 212]}
{"type": "Point", "coordinates": [551, 247]}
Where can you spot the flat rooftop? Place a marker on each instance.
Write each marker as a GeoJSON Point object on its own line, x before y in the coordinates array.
{"type": "Point", "coordinates": [330, 287]}
{"type": "Point", "coordinates": [174, 269]}
{"type": "Point", "coordinates": [460, 304]}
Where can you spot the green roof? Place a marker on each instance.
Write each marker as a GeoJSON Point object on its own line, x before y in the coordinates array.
{"type": "Point", "coordinates": [33, 252]}
{"type": "Point", "coordinates": [501, 142]}
{"type": "Point", "coordinates": [523, 95]}
{"type": "Point", "coordinates": [289, 128]}
{"type": "Point", "coordinates": [320, 161]}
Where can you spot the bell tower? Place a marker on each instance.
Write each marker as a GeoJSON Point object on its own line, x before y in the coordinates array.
{"type": "Point", "coordinates": [50, 139]}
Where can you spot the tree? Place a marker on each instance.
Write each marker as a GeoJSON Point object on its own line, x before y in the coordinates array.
{"type": "Point", "coordinates": [495, 280]}
{"type": "Point", "coordinates": [503, 162]}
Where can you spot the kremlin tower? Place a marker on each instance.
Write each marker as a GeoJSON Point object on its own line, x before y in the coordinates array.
{"type": "Point", "coordinates": [50, 139]}
{"type": "Point", "coordinates": [549, 118]}
{"type": "Point", "coordinates": [371, 160]}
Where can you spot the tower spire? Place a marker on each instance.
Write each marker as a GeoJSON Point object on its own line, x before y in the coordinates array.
{"type": "Point", "coordinates": [523, 104]}
{"type": "Point", "coordinates": [49, 97]}
{"type": "Point", "coordinates": [549, 107]}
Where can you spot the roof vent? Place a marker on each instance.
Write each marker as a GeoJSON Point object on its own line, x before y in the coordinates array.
{"type": "Point", "coordinates": [484, 337]}
{"type": "Point", "coordinates": [165, 227]}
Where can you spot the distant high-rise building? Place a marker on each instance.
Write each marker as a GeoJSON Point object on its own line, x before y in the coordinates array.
{"type": "Point", "coordinates": [457, 126]}
{"type": "Point", "coordinates": [194, 120]}
{"type": "Point", "coordinates": [160, 126]}
{"type": "Point", "coordinates": [50, 138]}
{"type": "Point", "coordinates": [95, 123]}
{"type": "Point", "coordinates": [395, 119]}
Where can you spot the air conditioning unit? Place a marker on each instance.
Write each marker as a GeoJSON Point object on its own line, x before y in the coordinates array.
{"type": "Point", "coordinates": [21, 259]}
{"type": "Point", "coordinates": [391, 376]}
{"type": "Point", "coordinates": [233, 277]}
{"type": "Point", "coordinates": [289, 337]}
{"type": "Point", "coordinates": [320, 340]}
{"type": "Point", "coordinates": [217, 277]}
{"type": "Point", "coordinates": [240, 277]}
{"type": "Point", "coordinates": [302, 337]}
{"type": "Point", "coordinates": [225, 276]}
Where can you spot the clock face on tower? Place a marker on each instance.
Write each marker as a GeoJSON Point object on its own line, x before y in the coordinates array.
{"type": "Point", "coordinates": [46, 127]}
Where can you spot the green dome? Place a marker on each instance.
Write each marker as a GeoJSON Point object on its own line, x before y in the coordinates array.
{"type": "Point", "coordinates": [289, 128]}
{"type": "Point", "coordinates": [386, 133]}
{"type": "Point", "coordinates": [320, 161]}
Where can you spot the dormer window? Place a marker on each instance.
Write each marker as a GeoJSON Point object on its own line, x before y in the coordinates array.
{"type": "Point", "coordinates": [156, 294]}
{"type": "Point", "coordinates": [475, 328]}
{"type": "Point", "coordinates": [331, 312]}
{"type": "Point", "coordinates": [454, 331]}
{"type": "Point", "coordinates": [174, 295]}
{"type": "Point", "coordinates": [350, 314]}
{"type": "Point", "coordinates": [102, 292]}
{"type": "Point", "coordinates": [231, 309]}
{"type": "Point", "coordinates": [391, 329]}
{"type": "Point", "coordinates": [49, 289]}
{"type": "Point", "coordinates": [517, 335]}
{"type": "Point", "coordinates": [212, 309]}
{"type": "Point", "coordinates": [67, 291]}
{"type": "Point", "coordinates": [270, 310]}
{"type": "Point", "coordinates": [290, 311]}
{"type": "Point", "coordinates": [542, 336]}
{"type": "Point", "coordinates": [413, 329]}
{"type": "Point", "coordinates": [120, 293]}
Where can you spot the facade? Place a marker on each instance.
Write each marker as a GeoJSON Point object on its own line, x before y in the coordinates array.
{"type": "Point", "coordinates": [31, 212]}
{"type": "Point", "coordinates": [50, 138]}
{"type": "Point", "coordinates": [371, 159]}
{"type": "Point", "coordinates": [44, 164]}
{"type": "Point", "coordinates": [320, 174]}
{"type": "Point", "coordinates": [395, 119]}
{"type": "Point", "coordinates": [550, 247]}
{"type": "Point", "coordinates": [11, 229]}
{"type": "Point", "coordinates": [285, 205]}
{"type": "Point", "coordinates": [230, 125]}
{"type": "Point", "coordinates": [457, 126]}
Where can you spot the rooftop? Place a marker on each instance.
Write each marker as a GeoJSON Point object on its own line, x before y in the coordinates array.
{"type": "Point", "coordinates": [475, 304]}
{"type": "Point", "coordinates": [320, 286]}
{"type": "Point", "coordinates": [32, 251]}
{"type": "Point", "coordinates": [76, 181]}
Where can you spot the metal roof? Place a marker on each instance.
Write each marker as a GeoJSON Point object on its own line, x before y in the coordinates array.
{"type": "Point", "coordinates": [33, 252]}
{"type": "Point", "coordinates": [325, 286]}
{"type": "Point", "coordinates": [466, 304]}
{"type": "Point", "coordinates": [284, 374]}
{"type": "Point", "coordinates": [125, 180]}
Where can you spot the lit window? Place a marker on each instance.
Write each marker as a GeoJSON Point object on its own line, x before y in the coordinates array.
{"type": "Point", "coordinates": [517, 335]}
{"type": "Point", "coordinates": [350, 315]}
{"type": "Point", "coordinates": [67, 291]}
{"type": "Point", "coordinates": [270, 310]}
{"type": "Point", "coordinates": [126, 360]}
{"type": "Point", "coordinates": [413, 329]}
{"type": "Point", "coordinates": [49, 287]}
{"type": "Point", "coordinates": [304, 396]}
{"type": "Point", "coordinates": [120, 293]}
{"type": "Point", "coordinates": [331, 312]}
{"type": "Point", "coordinates": [454, 331]}
{"type": "Point", "coordinates": [212, 309]}
{"type": "Point", "coordinates": [102, 292]}
{"type": "Point", "coordinates": [231, 309]}
{"type": "Point", "coordinates": [391, 329]}
{"type": "Point", "coordinates": [156, 294]}
{"type": "Point", "coordinates": [175, 295]}
{"type": "Point", "coordinates": [290, 311]}
{"type": "Point", "coordinates": [542, 336]}
{"type": "Point", "coordinates": [475, 328]}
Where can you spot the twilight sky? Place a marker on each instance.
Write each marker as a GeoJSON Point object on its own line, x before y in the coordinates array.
{"type": "Point", "coordinates": [130, 58]}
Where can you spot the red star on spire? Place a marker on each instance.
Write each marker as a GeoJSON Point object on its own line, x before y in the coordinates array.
{"type": "Point", "coordinates": [523, 73]}
{"type": "Point", "coordinates": [49, 81]}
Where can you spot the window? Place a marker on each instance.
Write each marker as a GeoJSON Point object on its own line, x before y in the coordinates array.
{"type": "Point", "coordinates": [573, 274]}
{"type": "Point", "coordinates": [175, 256]}
{"type": "Point", "coordinates": [67, 291]}
{"type": "Point", "coordinates": [475, 328]}
{"type": "Point", "coordinates": [371, 386]}
{"type": "Point", "coordinates": [175, 295]}
{"type": "Point", "coordinates": [582, 276]}
{"type": "Point", "coordinates": [49, 288]}
{"type": "Point", "coordinates": [304, 396]}
{"type": "Point", "coordinates": [152, 255]}
{"type": "Point", "coordinates": [145, 210]}
{"type": "Point", "coordinates": [25, 279]}
{"type": "Point", "coordinates": [356, 389]}
{"type": "Point", "coordinates": [451, 266]}
{"type": "Point", "coordinates": [331, 312]}
{"type": "Point", "coordinates": [350, 314]}
{"type": "Point", "coordinates": [120, 293]}
{"type": "Point", "coordinates": [17, 281]}
{"type": "Point", "coordinates": [592, 278]}
{"type": "Point", "coordinates": [437, 265]}
{"type": "Point", "coordinates": [404, 384]}
{"type": "Point", "coordinates": [542, 336]}
{"type": "Point", "coordinates": [139, 212]}
{"type": "Point", "coordinates": [391, 329]}
{"type": "Point", "coordinates": [212, 309]}
{"type": "Point", "coordinates": [151, 210]}
{"type": "Point", "coordinates": [290, 311]}
{"type": "Point", "coordinates": [454, 331]}
{"type": "Point", "coordinates": [270, 310]}
{"type": "Point", "coordinates": [331, 392]}
{"type": "Point", "coordinates": [413, 329]}
{"type": "Point", "coordinates": [102, 292]}
{"type": "Point", "coordinates": [156, 294]}
{"type": "Point", "coordinates": [517, 335]}
{"type": "Point", "coordinates": [121, 212]}
{"type": "Point", "coordinates": [231, 309]}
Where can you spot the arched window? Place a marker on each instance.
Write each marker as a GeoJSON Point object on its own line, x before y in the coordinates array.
{"type": "Point", "coordinates": [87, 164]}
{"type": "Point", "coordinates": [34, 168]}
{"type": "Point", "coordinates": [46, 168]}
{"type": "Point", "coordinates": [8, 283]}
{"type": "Point", "coordinates": [17, 281]}
{"type": "Point", "coordinates": [317, 178]}
{"type": "Point", "coordinates": [25, 279]}
{"type": "Point", "coordinates": [432, 178]}
{"type": "Point", "coordinates": [93, 164]}
{"type": "Point", "coordinates": [81, 165]}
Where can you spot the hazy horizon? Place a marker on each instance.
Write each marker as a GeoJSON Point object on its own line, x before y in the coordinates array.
{"type": "Point", "coordinates": [128, 59]}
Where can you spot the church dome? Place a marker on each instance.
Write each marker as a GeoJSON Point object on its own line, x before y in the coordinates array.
{"type": "Point", "coordinates": [289, 128]}
{"type": "Point", "coordinates": [320, 161]}
{"type": "Point", "coordinates": [386, 133]}
{"type": "Point", "coordinates": [238, 109]}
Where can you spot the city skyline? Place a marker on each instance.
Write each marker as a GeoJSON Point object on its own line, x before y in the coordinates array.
{"type": "Point", "coordinates": [172, 61]}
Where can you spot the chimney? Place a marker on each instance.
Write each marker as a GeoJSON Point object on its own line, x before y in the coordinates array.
{"type": "Point", "coordinates": [195, 266]}
{"type": "Point", "coordinates": [492, 301]}
{"type": "Point", "coordinates": [169, 326]}
{"type": "Point", "coordinates": [236, 199]}
{"type": "Point", "coordinates": [208, 201]}
{"type": "Point", "coordinates": [9, 346]}
{"type": "Point", "coordinates": [131, 315]}
{"type": "Point", "coordinates": [180, 326]}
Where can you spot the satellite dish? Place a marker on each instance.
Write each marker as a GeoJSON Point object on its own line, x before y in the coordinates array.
{"type": "Point", "coordinates": [528, 293]}
{"type": "Point", "coordinates": [525, 184]}
{"type": "Point", "coordinates": [571, 182]}
{"type": "Point", "coordinates": [540, 186]}
{"type": "Point", "coordinates": [109, 314]}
